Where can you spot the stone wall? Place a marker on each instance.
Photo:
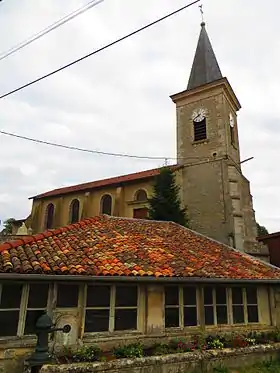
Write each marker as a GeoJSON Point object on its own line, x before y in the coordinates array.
{"type": "Point", "coordinates": [191, 362]}
{"type": "Point", "coordinates": [12, 361]}
{"type": "Point", "coordinates": [123, 203]}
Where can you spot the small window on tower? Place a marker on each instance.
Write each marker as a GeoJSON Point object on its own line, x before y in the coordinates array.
{"type": "Point", "coordinates": [200, 130]}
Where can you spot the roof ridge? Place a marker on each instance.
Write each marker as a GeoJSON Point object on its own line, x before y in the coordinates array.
{"type": "Point", "coordinates": [140, 219]}
{"type": "Point", "coordinates": [46, 234]}
{"type": "Point", "coordinates": [113, 179]}
{"type": "Point", "coordinates": [269, 235]}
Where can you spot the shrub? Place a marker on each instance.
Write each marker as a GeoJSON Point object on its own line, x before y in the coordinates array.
{"type": "Point", "coordinates": [214, 342]}
{"type": "Point", "coordinates": [130, 351]}
{"type": "Point", "coordinates": [181, 345]}
{"type": "Point", "coordinates": [161, 349]}
{"type": "Point", "coordinates": [273, 335]}
{"type": "Point", "coordinates": [178, 345]}
{"type": "Point", "coordinates": [250, 341]}
{"type": "Point", "coordinates": [199, 343]}
{"type": "Point", "coordinates": [86, 353]}
{"type": "Point", "coordinates": [239, 341]}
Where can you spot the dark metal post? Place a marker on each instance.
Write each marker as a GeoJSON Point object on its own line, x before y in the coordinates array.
{"type": "Point", "coordinates": [41, 355]}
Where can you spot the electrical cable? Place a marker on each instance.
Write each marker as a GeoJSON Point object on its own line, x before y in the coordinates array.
{"type": "Point", "coordinates": [50, 28]}
{"type": "Point", "coordinates": [98, 50]}
{"type": "Point", "coordinates": [83, 149]}
{"type": "Point", "coordinates": [99, 152]}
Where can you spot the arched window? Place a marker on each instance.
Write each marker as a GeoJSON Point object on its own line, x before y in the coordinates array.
{"type": "Point", "coordinates": [74, 211]}
{"type": "Point", "coordinates": [141, 195]}
{"type": "Point", "coordinates": [49, 216]}
{"type": "Point", "coordinates": [106, 204]}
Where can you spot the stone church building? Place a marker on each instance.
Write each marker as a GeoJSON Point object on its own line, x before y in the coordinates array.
{"type": "Point", "coordinates": [213, 188]}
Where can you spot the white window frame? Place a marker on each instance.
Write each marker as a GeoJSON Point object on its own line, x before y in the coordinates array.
{"type": "Point", "coordinates": [214, 305]}
{"type": "Point", "coordinates": [26, 308]}
{"type": "Point", "coordinates": [252, 304]}
{"type": "Point", "coordinates": [112, 307]}
{"type": "Point", "coordinates": [22, 309]}
{"type": "Point", "coordinates": [181, 307]}
{"type": "Point", "coordinates": [245, 307]}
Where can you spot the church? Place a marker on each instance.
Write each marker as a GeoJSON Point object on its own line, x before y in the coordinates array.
{"type": "Point", "coordinates": [208, 169]}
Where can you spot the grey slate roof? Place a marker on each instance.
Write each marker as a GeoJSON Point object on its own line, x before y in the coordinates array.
{"type": "Point", "coordinates": [205, 68]}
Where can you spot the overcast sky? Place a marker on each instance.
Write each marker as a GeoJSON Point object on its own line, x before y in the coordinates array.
{"type": "Point", "coordinates": [118, 100]}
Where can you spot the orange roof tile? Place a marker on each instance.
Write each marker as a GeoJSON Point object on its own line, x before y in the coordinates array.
{"type": "Point", "coordinates": [129, 247]}
{"type": "Point", "coordinates": [104, 182]}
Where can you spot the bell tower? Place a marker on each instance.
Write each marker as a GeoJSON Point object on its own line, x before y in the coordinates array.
{"type": "Point", "coordinates": [215, 192]}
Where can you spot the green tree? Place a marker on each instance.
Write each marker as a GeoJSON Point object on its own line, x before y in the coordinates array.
{"type": "Point", "coordinates": [165, 204]}
{"type": "Point", "coordinates": [8, 226]}
{"type": "Point", "coordinates": [262, 231]}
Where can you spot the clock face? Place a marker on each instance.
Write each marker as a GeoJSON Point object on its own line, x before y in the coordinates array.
{"type": "Point", "coordinates": [231, 120]}
{"type": "Point", "coordinates": [198, 115]}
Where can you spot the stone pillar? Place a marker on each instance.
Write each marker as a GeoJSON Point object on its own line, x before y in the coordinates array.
{"type": "Point", "coordinates": [37, 219]}
{"type": "Point", "coordinates": [58, 214]}
{"type": "Point", "coordinates": [86, 205]}
{"type": "Point", "coordinates": [155, 309]}
{"type": "Point", "coordinates": [118, 202]}
{"type": "Point", "coordinates": [200, 305]}
{"type": "Point", "coordinates": [276, 313]}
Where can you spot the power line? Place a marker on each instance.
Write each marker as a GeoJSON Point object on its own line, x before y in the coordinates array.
{"type": "Point", "coordinates": [50, 28]}
{"type": "Point", "coordinates": [83, 149]}
{"type": "Point", "coordinates": [99, 50]}
{"type": "Point", "coordinates": [99, 152]}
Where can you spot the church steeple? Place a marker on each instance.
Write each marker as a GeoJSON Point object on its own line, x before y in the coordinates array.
{"type": "Point", "coordinates": [214, 189]}
{"type": "Point", "coordinates": [205, 68]}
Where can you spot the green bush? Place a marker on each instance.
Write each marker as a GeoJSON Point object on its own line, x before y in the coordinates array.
{"type": "Point", "coordinates": [129, 351]}
{"type": "Point", "coordinates": [177, 345]}
{"type": "Point", "coordinates": [86, 353]}
{"type": "Point", "coordinates": [215, 342]}
{"type": "Point", "coordinates": [161, 349]}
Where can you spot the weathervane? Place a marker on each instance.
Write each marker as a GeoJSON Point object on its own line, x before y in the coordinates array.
{"type": "Point", "coordinates": [202, 13]}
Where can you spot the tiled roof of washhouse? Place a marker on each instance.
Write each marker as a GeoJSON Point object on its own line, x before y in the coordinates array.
{"type": "Point", "coordinates": [111, 246]}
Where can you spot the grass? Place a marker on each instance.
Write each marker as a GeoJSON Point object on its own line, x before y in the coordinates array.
{"type": "Point", "coordinates": [265, 367]}
{"type": "Point", "coordinates": [268, 366]}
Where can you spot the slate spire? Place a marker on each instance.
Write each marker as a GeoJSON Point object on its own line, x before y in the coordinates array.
{"type": "Point", "coordinates": [205, 68]}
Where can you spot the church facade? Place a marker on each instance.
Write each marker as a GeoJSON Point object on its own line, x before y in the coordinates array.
{"type": "Point", "coordinates": [208, 170]}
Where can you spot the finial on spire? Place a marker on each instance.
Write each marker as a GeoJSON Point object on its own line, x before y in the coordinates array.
{"type": "Point", "coordinates": [205, 68]}
{"type": "Point", "coordinates": [202, 15]}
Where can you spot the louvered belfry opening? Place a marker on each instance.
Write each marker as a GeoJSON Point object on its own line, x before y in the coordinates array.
{"type": "Point", "coordinates": [200, 130]}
